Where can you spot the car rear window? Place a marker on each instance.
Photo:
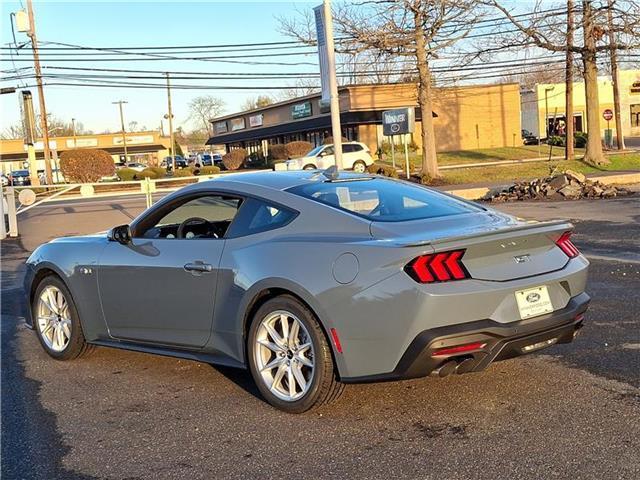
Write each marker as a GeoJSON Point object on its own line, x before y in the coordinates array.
{"type": "Point", "coordinates": [384, 200]}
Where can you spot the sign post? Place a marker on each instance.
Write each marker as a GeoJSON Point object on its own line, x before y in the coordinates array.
{"type": "Point", "coordinates": [393, 152]}
{"type": "Point", "coordinates": [607, 114]}
{"type": "Point", "coordinates": [328, 80]}
{"type": "Point", "coordinates": [399, 121]}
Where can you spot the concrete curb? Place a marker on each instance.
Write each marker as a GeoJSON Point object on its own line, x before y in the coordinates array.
{"type": "Point", "coordinates": [479, 193]}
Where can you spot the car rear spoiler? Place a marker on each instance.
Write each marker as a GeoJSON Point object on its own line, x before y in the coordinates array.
{"type": "Point", "coordinates": [507, 231]}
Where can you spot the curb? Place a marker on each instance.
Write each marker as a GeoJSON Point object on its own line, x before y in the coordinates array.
{"type": "Point", "coordinates": [481, 192]}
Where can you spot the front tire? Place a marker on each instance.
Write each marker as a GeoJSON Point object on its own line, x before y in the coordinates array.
{"type": "Point", "coordinates": [56, 320]}
{"type": "Point", "coordinates": [289, 357]}
{"type": "Point", "coordinates": [359, 166]}
{"type": "Point", "coordinates": [309, 167]}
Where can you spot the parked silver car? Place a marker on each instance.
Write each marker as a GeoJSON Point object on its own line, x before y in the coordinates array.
{"type": "Point", "coordinates": [312, 280]}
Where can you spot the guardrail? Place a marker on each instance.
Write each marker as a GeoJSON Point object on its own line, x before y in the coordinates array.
{"type": "Point", "coordinates": [47, 193]}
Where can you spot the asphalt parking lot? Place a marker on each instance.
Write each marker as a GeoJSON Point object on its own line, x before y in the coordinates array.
{"type": "Point", "coordinates": [572, 411]}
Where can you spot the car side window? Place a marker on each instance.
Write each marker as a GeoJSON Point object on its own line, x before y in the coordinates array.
{"type": "Point", "coordinates": [348, 148]}
{"type": "Point", "coordinates": [328, 151]}
{"type": "Point", "coordinates": [204, 217]}
{"type": "Point", "coordinates": [259, 216]}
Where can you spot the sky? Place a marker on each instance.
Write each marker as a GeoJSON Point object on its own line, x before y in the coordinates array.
{"type": "Point", "coordinates": [126, 24]}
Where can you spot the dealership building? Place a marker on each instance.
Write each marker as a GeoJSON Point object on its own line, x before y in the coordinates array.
{"type": "Point", "coordinates": [465, 117]}
{"type": "Point", "coordinates": [148, 147]}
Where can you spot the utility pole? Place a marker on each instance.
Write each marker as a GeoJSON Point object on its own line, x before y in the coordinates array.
{"type": "Point", "coordinates": [43, 110]}
{"type": "Point", "coordinates": [124, 137]}
{"type": "Point", "coordinates": [75, 140]}
{"type": "Point", "coordinates": [568, 116]}
{"type": "Point", "coordinates": [614, 78]}
{"type": "Point", "coordinates": [170, 117]}
{"type": "Point", "coordinates": [336, 131]}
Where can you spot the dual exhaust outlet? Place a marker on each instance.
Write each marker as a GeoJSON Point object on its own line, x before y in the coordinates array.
{"type": "Point", "coordinates": [463, 365]}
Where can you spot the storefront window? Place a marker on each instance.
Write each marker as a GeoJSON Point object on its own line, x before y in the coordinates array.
{"type": "Point", "coordinates": [635, 114]}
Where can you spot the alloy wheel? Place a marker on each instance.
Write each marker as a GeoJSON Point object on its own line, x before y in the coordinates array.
{"type": "Point", "coordinates": [54, 318]}
{"type": "Point", "coordinates": [359, 167]}
{"type": "Point", "coordinates": [284, 355]}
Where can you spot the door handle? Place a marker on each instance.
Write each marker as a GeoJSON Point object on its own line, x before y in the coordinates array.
{"type": "Point", "coordinates": [198, 267]}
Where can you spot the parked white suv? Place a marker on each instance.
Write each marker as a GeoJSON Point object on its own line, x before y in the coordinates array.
{"type": "Point", "coordinates": [355, 155]}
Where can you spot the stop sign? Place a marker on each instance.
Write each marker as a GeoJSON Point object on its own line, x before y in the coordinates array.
{"type": "Point", "coordinates": [607, 114]}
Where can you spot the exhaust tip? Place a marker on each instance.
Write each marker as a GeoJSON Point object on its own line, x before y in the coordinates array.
{"type": "Point", "coordinates": [445, 370]}
{"type": "Point", "coordinates": [466, 365]}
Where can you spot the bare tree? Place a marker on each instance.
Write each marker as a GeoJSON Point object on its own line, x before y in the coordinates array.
{"type": "Point", "coordinates": [257, 102]}
{"type": "Point", "coordinates": [203, 109]}
{"type": "Point", "coordinates": [57, 127]}
{"type": "Point", "coordinates": [415, 31]}
{"type": "Point", "coordinates": [301, 87]}
{"type": "Point", "coordinates": [624, 27]}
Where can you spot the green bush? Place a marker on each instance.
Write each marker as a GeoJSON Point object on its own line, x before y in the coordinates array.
{"type": "Point", "coordinates": [234, 159]}
{"type": "Point", "coordinates": [209, 170]}
{"type": "Point", "coordinates": [86, 165]}
{"type": "Point", "coordinates": [160, 171]}
{"type": "Point", "coordinates": [147, 173]}
{"type": "Point", "coordinates": [580, 140]}
{"type": "Point", "coordinates": [126, 174]}
{"type": "Point", "coordinates": [297, 149]}
{"type": "Point", "coordinates": [184, 172]}
{"type": "Point", "coordinates": [384, 170]}
{"type": "Point", "coordinates": [277, 152]}
{"type": "Point", "coordinates": [556, 141]}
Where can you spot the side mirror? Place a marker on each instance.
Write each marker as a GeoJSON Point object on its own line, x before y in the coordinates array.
{"type": "Point", "coordinates": [120, 234]}
{"type": "Point", "coordinates": [322, 154]}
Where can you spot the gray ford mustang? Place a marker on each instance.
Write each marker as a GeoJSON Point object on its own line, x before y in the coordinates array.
{"type": "Point", "coordinates": [313, 280]}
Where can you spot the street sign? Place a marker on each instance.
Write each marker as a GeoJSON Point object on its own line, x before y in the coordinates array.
{"type": "Point", "coordinates": [607, 114]}
{"type": "Point", "coordinates": [398, 121]}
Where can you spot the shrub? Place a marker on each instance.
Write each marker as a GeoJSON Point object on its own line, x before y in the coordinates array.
{"type": "Point", "coordinates": [277, 152]}
{"type": "Point", "coordinates": [161, 172]}
{"type": "Point", "coordinates": [556, 141]}
{"type": "Point", "coordinates": [329, 140]}
{"type": "Point", "coordinates": [297, 149]}
{"type": "Point", "coordinates": [580, 140]}
{"type": "Point", "coordinates": [86, 165]}
{"type": "Point", "coordinates": [184, 172]}
{"type": "Point", "coordinates": [234, 159]}
{"type": "Point", "coordinates": [147, 173]}
{"type": "Point", "coordinates": [126, 174]}
{"type": "Point", "coordinates": [209, 170]}
{"type": "Point", "coordinates": [384, 170]}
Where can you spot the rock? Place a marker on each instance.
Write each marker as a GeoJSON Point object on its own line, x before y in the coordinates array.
{"type": "Point", "coordinates": [577, 176]}
{"type": "Point", "coordinates": [571, 191]}
{"type": "Point", "coordinates": [558, 182]}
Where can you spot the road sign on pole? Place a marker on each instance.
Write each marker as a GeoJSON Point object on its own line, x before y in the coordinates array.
{"type": "Point", "coordinates": [398, 121]}
{"type": "Point", "coordinates": [607, 114]}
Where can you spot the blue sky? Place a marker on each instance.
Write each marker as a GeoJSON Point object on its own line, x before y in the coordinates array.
{"type": "Point", "coordinates": [126, 24]}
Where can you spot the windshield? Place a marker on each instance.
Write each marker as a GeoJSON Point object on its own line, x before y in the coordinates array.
{"type": "Point", "coordinates": [314, 152]}
{"type": "Point", "coordinates": [384, 200]}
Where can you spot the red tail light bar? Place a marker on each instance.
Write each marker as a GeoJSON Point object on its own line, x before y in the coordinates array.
{"type": "Point", "coordinates": [438, 267]}
{"type": "Point", "coordinates": [567, 246]}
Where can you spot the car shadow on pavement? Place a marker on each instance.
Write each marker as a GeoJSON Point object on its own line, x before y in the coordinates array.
{"type": "Point", "coordinates": [242, 378]}
{"type": "Point", "coordinates": [21, 407]}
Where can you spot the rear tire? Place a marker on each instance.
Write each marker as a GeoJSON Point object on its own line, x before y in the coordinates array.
{"type": "Point", "coordinates": [293, 372]}
{"type": "Point", "coordinates": [359, 166]}
{"type": "Point", "coordinates": [56, 320]}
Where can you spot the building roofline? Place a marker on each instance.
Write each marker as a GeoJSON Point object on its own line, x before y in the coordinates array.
{"type": "Point", "coordinates": [343, 88]}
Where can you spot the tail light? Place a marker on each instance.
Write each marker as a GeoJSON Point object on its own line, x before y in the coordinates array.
{"type": "Point", "coordinates": [438, 267]}
{"type": "Point", "coordinates": [567, 246]}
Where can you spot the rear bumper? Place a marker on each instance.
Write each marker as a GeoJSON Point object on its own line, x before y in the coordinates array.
{"type": "Point", "coordinates": [501, 341]}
